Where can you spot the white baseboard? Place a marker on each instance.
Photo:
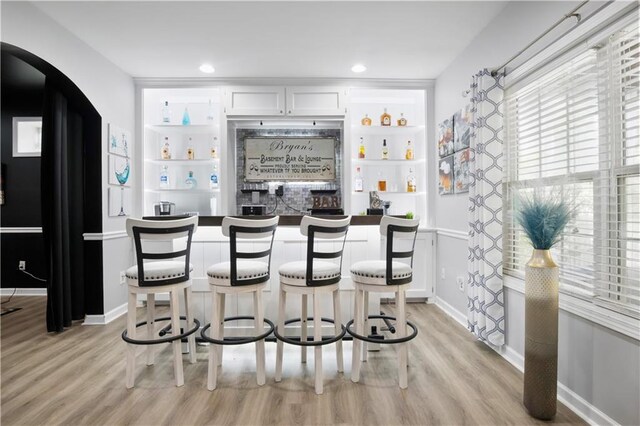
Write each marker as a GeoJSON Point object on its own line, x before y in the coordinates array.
{"type": "Point", "coordinates": [105, 318]}
{"type": "Point", "coordinates": [23, 291]}
{"type": "Point", "coordinates": [566, 396]}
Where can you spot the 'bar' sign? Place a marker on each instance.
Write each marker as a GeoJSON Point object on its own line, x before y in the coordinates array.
{"type": "Point", "coordinates": [289, 158]}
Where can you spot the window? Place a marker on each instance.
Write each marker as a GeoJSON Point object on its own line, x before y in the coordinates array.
{"type": "Point", "coordinates": [575, 132]}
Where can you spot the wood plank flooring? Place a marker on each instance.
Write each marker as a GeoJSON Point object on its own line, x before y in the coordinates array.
{"type": "Point", "coordinates": [78, 377]}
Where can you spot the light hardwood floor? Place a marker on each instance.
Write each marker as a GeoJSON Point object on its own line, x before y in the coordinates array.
{"type": "Point", "coordinates": [78, 377]}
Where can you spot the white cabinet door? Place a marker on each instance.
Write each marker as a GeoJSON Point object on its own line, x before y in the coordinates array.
{"type": "Point", "coordinates": [315, 101]}
{"type": "Point", "coordinates": [255, 100]}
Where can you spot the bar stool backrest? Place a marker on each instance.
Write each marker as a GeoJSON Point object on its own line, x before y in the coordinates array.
{"type": "Point", "coordinates": [394, 228]}
{"type": "Point", "coordinates": [164, 230]}
{"type": "Point", "coordinates": [327, 229]}
{"type": "Point", "coordinates": [236, 228]}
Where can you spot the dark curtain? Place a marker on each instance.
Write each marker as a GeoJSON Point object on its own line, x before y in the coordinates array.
{"type": "Point", "coordinates": [62, 209]}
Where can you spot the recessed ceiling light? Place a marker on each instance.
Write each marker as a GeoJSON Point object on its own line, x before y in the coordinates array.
{"type": "Point", "coordinates": [358, 68]}
{"type": "Point", "coordinates": [207, 68]}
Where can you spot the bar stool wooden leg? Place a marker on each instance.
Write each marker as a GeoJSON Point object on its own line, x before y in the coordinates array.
{"type": "Point", "coordinates": [338, 329]}
{"type": "Point", "coordinates": [401, 327]}
{"type": "Point", "coordinates": [151, 312]}
{"type": "Point", "coordinates": [221, 307]}
{"type": "Point", "coordinates": [357, 344]}
{"type": "Point", "coordinates": [317, 336]}
{"type": "Point", "coordinates": [131, 332]}
{"type": "Point", "coordinates": [175, 328]}
{"type": "Point", "coordinates": [212, 376]}
{"type": "Point", "coordinates": [366, 329]}
{"type": "Point", "coordinates": [303, 327]}
{"type": "Point", "coordinates": [259, 326]}
{"type": "Point", "coordinates": [280, 343]}
{"type": "Point", "coordinates": [189, 314]}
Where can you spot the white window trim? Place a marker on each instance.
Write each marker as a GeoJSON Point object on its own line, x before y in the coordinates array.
{"type": "Point", "coordinates": [588, 310]}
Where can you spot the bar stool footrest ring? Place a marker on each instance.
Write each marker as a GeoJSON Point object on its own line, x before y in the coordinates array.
{"type": "Point", "coordinates": [187, 333]}
{"type": "Point", "coordinates": [324, 341]}
{"type": "Point", "coordinates": [236, 340]}
{"type": "Point", "coordinates": [385, 341]}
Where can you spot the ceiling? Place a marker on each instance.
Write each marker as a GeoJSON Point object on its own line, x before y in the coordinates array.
{"type": "Point", "coordinates": [277, 39]}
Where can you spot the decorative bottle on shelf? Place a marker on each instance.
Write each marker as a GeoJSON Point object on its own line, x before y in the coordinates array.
{"type": "Point", "coordinates": [214, 150]}
{"type": "Point", "coordinates": [366, 121]}
{"type": "Point", "coordinates": [385, 150]}
{"type": "Point", "coordinates": [213, 178]}
{"type": "Point", "coordinates": [165, 153]}
{"type": "Point", "coordinates": [385, 119]}
{"type": "Point", "coordinates": [361, 148]}
{"type": "Point", "coordinates": [408, 153]}
{"type": "Point", "coordinates": [166, 113]}
{"type": "Point", "coordinates": [186, 120]}
{"type": "Point", "coordinates": [411, 182]}
{"type": "Point", "coordinates": [359, 183]}
{"type": "Point", "coordinates": [402, 121]}
{"type": "Point", "coordinates": [190, 152]}
{"type": "Point", "coordinates": [164, 178]}
{"type": "Point", "coordinates": [210, 112]}
{"type": "Point", "coordinates": [191, 182]}
{"type": "Point", "coordinates": [382, 182]}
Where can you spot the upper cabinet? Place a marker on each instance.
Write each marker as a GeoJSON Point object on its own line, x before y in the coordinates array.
{"type": "Point", "coordinates": [302, 101]}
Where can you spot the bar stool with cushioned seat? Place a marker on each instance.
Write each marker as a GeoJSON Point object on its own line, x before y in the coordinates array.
{"type": "Point", "coordinates": [235, 277]}
{"type": "Point", "coordinates": [384, 276]}
{"type": "Point", "coordinates": [162, 275]}
{"type": "Point", "coordinates": [313, 277]}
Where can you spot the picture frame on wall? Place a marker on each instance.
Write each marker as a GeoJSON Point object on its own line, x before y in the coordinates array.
{"type": "Point", "coordinates": [461, 173]}
{"type": "Point", "coordinates": [445, 138]}
{"type": "Point", "coordinates": [119, 140]}
{"type": "Point", "coordinates": [119, 201]}
{"type": "Point", "coordinates": [462, 129]}
{"type": "Point", "coordinates": [446, 177]}
{"type": "Point", "coordinates": [27, 136]}
{"type": "Point", "coordinates": [119, 170]}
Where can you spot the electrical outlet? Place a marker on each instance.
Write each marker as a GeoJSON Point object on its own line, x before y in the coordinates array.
{"type": "Point", "coordinates": [123, 278]}
{"type": "Point", "coordinates": [279, 191]}
{"type": "Point", "coordinates": [460, 281]}
{"type": "Point", "coordinates": [22, 265]}
{"type": "Point", "coordinates": [443, 274]}
{"type": "Point", "coordinates": [272, 188]}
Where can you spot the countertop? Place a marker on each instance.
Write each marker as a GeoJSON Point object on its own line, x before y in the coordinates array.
{"type": "Point", "coordinates": [285, 220]}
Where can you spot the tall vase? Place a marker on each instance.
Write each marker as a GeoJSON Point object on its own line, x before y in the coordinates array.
{"type": "Point", "coordinates": [541, 335]}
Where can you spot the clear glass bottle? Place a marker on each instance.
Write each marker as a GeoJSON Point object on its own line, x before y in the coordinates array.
{"type": "Point", "coordinates": [165, 152]}
{"type": "Point", "coordinates": [411, 182]}
{"type": "Point", "coordinates": [402, 121]}
{"type": "Point", "coordinates": [359, 182]}
{"type": "Point", "coordinates": [213, 178]}
{"type": "Point", "coordinates": [385, 150]}
{"type": "Point", "coordinates": [210, 112]}
{"type": "Point", "coordinates": [164, 178]}
{"type": "Point", "coordinates": [166, 113]}
{"type": "Point", "coordinates": [190, 182]}
{"type": "Point", "coordinates": [408, 153]}
{"type": "Point", "coordinates": [366, 121]}
{"type": "Point", "coordinates": [191, 154]}
{"type": "Point", "coordinates": [361, 148]}
{"type": "Point", "coordinates": [385, 119]}
{"type": "Point", "coordinates": [186, 120]}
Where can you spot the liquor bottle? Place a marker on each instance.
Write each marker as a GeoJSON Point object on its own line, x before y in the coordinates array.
{"type": "Point", "coordinates": [210, 112]}
{"type": "Point", "coordinates": [166, 113]}
{"type": "Point", "coordinates": [191, 182]}
{"type": "Point", "coordinates": [359, 183]}
{"type": "Point", "coordinates": [385, 119]}
{"type": "Point", "coordinates": [361, 148]}
{"type": "Point", "coordinates": [186, 120]}
{"type": "Point", "coordinates": [385, 150]}
{"type": "Point", "coordinates": [213, 178]}
{"type": "Point", "coordinates": [411, 182]}
{"type": "Point", "coordinates": [164, 178]}
{"type": "Point", "coordinates": [382, 182]}
{"type": "Point", "coordinates": [190, 152]}
{"type": "Point", "coordinates": [402, 121]}
{"type": "Point", "coordinates": [408, 154]}
{"type": "Point", "coordinates": [214, 150]}
{"type": "Point", "coordinates": [366, 121]}
{"type": "Point", "coordinates": [165, 153]}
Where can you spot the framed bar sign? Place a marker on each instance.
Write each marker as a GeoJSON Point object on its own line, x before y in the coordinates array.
{"type": "Point", "coordinates": [289, 158]}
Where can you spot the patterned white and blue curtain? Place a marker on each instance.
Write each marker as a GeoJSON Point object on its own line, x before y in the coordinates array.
{"type": "Point", "coordinates": [485, 313]}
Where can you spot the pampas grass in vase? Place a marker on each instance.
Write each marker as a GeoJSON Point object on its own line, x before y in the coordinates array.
{"type": "Point", "coordinates": [543, 219]}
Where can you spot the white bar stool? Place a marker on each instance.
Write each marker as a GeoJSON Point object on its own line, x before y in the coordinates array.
{"type": "Point", "coordinates": [235, 277]}
{"type": "Point", "coordinates": [384, 276]}
{"type": "Point", "coordinates": [313, 277]}
{"type": "Point", "coordinates": [160, 276]}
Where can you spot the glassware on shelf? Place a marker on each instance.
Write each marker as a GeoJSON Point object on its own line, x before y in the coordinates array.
{"type": "Point", "coordinates": [210, 112]}
{"type": "Point", "coordinates": [186, 120]}
{"type": "Point", "coordinates": [166, 113]}
{"type": "Point", "coordinates": [359, 182]}
{"type": "Point", "coordinates": [366, 121]}
{"type": "Point", "coordinates": [385, 119]}
{"type": "Point", "coordinates": [385, 150]}
{"type": "Point", "coordinates": [191, 182]}
{"type": "Point", "coordinates": [165, 153]}
{"type": "Point", "coordinates": [190, 152]}
{"type": "Point", "coordinates": [361, 148]}
{"type": "Point", "coordinates": [402, 121]}
{"type": "Point", "coordinates": [164, 178]}
{"type": "Point", "coordinates": [408, 153]}
{"type": "Point", "coordinates": [411, 182]}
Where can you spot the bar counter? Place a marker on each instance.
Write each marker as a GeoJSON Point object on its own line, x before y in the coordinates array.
{"type": "Point", "coordinates": [292, 220]}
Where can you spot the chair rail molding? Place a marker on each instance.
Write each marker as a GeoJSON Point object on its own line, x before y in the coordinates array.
{"type": "Point", "coordinates": [21, 230]}
{"type": "Point", "coordinates": [102, 236]}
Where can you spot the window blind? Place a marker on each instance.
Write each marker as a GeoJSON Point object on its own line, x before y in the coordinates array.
{"type": "Point", "coordinates": [574, 133]}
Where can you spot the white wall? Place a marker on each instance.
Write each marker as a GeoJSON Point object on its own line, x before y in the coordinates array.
{"type": "Point", "coordinates": [597, 364]}
{"type": "Point", "coordinates": [110, 90]}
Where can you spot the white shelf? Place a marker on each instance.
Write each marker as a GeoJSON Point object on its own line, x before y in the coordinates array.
{"type": "Point", "coordinates": [365, 161]}
{"type": "Point", "coordinates": [188, 129]}
{"type": "Point", "coordinates": [198, 162]}
{"type": "Point", "coordinates": [410, 194]}
{"type": "Point", "coordinates": [385, 130]}
{"type": "Point", "coordinates": [185, 190]}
